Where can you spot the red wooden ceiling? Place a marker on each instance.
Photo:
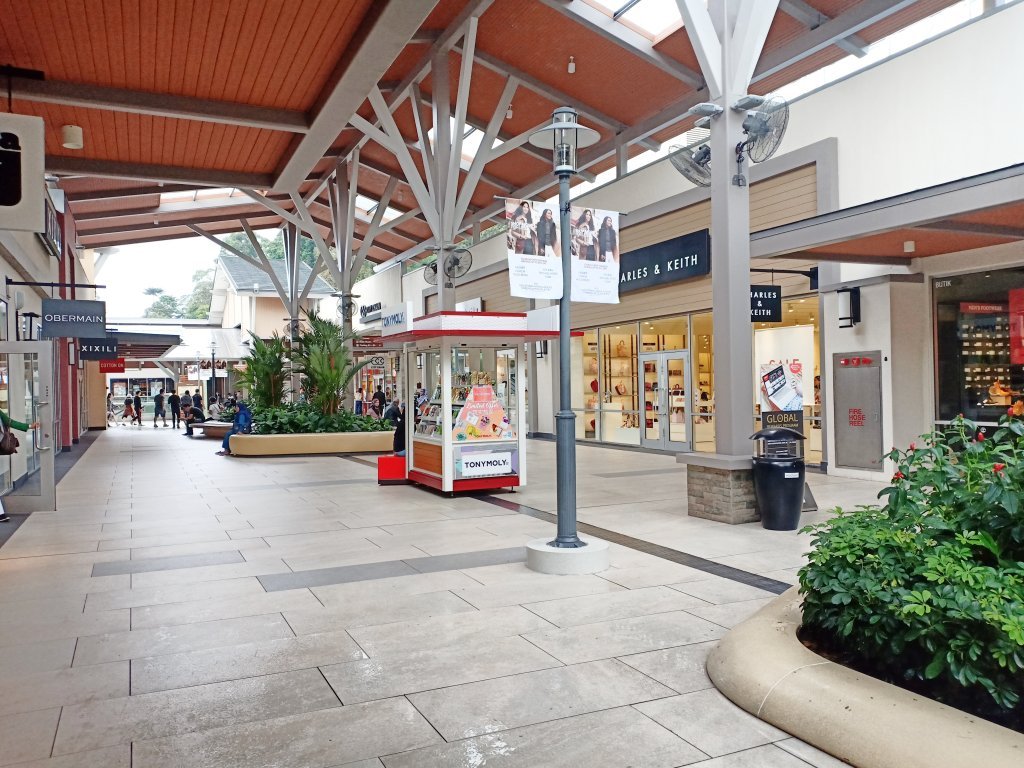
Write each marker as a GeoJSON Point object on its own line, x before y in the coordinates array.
{"type": "Point", "coordinates": [283, 55]}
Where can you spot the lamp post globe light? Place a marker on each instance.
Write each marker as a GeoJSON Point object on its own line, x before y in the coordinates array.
{"type": "Point", "coordinates": [564, 136]}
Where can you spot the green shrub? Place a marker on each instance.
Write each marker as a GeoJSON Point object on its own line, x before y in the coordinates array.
{"type": "Point", "coordinates": [928, 590]}
{"type": "Point", "coordinates": [264, 375]}
{"type": "Point", "coordinates": [295, 418]}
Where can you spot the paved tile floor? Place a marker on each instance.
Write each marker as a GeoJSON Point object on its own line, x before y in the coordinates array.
{"type": "Point", "coordinates": [182, 609]}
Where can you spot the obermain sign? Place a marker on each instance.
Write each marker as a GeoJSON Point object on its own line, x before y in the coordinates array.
{"type": "Point", "coordinates": [74, 319]}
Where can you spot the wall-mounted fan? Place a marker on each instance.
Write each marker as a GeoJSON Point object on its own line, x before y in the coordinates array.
{"type": "Point", "coordinates": [430, 273]}
{"type": "Point", "coordinates": [457, 264]}
{"type": "Point", "coordinates": [764, 126]}
{"type": "Point", "coordinates": [693, 164]}
{"type": "Point", "coordinates": [347, 306]}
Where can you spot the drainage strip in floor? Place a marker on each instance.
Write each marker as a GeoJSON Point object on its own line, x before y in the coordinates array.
{"type": "Point", "coordinates": [674, 555]}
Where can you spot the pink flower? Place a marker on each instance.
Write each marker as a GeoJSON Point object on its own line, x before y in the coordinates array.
{"type": "Point", "coordinates": [913, 447]}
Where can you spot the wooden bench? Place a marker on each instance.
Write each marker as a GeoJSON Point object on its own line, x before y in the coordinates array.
{"type": "Point", "coordinates": [215, 429]}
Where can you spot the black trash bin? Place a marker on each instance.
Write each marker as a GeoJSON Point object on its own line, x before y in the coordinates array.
{"type": "Point", "coordinates": [779, 477]}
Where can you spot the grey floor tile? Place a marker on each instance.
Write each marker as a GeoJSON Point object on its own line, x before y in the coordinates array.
{"type": "Point", "coordinates": [144, 565]}
{"type": "Point", "coordinates": [371, 610]}
{"type": "Point", "coordinates": [327, 737]}
{"type": "Point", "coordinates": [21, 660]}
{"type": "Point", "coordinates": [730, 614]}
{"type": "Point", "coordinates": [108, 757]}
{"type": "Point", "coordinates": [359, 681]}
{"type": "Point", "coordinates": [606, 639]}
{"type": "Point", "coordinates": [468, 559]}
{"type": "Point", "coordinates": [64, 686]}
{"type": "Point", "coordinates": [143, 596]}
{"type": "Point", "coordinates": [224, 608]}
{"type": "Point", "coordinates": [610, 739]}
{"type": "Point", "coordinates": [27, 736]}
{"type": "Point", "coordinates": [660, 572]}
{"type": "Point", "coordinates": [178, 670]}
{"type": "Point", "coordinates": [251, 567]}
{"type": "Point", "coordinates": [198, 708]}
{"type": "Point", "coordinates": [681, 668]}
{"type": "Point", "coordinates": [717, 590]}
{"type": "Point", "coordinates": [769, 756]}
{"type": "Point", "coordinates": [183, 637]}
{"type": "Point", "coordinates": [381, 590]}
{"type": "Point", "coordinates": [573, 611]}
{"type": "Point", "coordinates": [42, 629]}
{"type": "Point", "coordinates": [475, 709]}
{"type": "Point", "coordinates": [711, 722]}
{"type": "Point", "coordinates": [517, 593]}
{"type": "Point", "coordinates": [446, 631]}
{"type": "Point", "coordinates": [321, 577]}
{"type": "Point", "coordinates": [809, 754]}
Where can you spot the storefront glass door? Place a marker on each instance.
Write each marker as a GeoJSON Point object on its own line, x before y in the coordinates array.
{"type": "Point", "coordinates": [665, 420]}
{"type": "Point", "coordinates": [28, 395]}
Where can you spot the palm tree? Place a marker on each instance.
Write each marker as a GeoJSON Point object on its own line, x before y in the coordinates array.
{"type": "Point", "coordinates": [264, 375]}
{"type": "Point", "coordinates": [322, 357]}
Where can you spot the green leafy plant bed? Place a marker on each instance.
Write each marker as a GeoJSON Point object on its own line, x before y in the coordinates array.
{"type": "Point", "coordinates": [927, 591]}
{"type": "Point", "coordinates": [300, 418]}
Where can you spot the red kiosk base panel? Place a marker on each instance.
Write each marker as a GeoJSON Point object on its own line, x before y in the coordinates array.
{"type": "Point", "coordinates": [461, 486]}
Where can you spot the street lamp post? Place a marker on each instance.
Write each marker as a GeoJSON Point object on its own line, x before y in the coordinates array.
{"type": "Point", "coordinates": [564, 136]}
{"type": "Point", "coordinates": [213, 372]}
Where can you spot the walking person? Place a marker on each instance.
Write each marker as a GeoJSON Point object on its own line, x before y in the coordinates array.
{"type": "Point", "coordinates": [186, 400]}
{"type": "Point", "coordinates": [197, 399]}
{"type": "Point", "coordinates": [396, 415]}
{"type": "Point", "coordinates": [137, 405]}
{"type": "Point", "coordinates": [158, 408]}
{"type": "Point", "coordinates": [128, 412]}
{"type": "Point", "coordinates": [10, 423]}
{"type": "Point", "coordinates": [174, 401]}
{"type": "Point", "coordinates": [359, 401]}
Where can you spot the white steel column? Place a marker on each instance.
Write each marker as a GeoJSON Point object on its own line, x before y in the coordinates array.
{"type": "Point", "coordinates": [727, 36]}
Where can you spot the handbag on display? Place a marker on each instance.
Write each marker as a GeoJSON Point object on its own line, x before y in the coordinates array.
{"type": "Point", "coordinates": [8, 442]}
{"type": "Point", "coordinates": [593, 385]}
{"type": "Point", "coordinates": [620, 348]}
{"type": "Point", "coordinates": [620, 389]}
{"type": "Point", "coordinates": [593, 365]}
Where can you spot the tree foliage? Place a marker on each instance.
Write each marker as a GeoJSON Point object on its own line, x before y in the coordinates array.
{"type": "Point", "coordinates": [264, 374]}
{"type": "Point", "coordinates": [322, 357]}
{"type": "Point", "coordinates": [194, 306]}
{"type": "Point", "coordinates": [166, 306]}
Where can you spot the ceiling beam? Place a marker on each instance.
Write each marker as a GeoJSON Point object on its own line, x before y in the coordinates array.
{"type": "Point", "coordinates": [147, 236]}
{"type": "Point", "coordinates": [850, 258]}
{"type": "Point", "coordinates": [148, 224]}
{"type": "Point", "coordinates": [601, 24]}
{"type": "Point", "coordinates": [863, 14]}
{"type": "Point", "coordinates": [159, 105]}
{"type": "Point", "coordinates": [168, 209]}
{"type": "Point", "coordinates": [812, 18]}
{"type": "Point", "coordinates": [974, 228]}
{"type": "Point", "coordinates": [85, 196]}
{"type": "Point", "coordinates": [386, 29]}
{"type": "Point", "coordinates": [113, 169]}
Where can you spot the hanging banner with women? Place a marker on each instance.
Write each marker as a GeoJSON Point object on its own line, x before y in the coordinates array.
{"type": "Point", "coordinates": [534, 253]}
{"type": "Point", "coordinates": [595, 255]}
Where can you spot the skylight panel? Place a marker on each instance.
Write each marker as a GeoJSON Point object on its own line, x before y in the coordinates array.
{"type": "Point", "coordinates": [654, 18]}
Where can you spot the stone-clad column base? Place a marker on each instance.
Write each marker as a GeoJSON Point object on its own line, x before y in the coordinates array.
{"type": "Point", "coordinates": [724, 493]}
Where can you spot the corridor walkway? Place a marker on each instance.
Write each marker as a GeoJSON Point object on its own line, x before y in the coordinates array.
{"type": "Point", "coordinates": [182, 609]}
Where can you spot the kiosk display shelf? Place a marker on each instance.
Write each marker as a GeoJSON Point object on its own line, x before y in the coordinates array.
{"type": "Point", "coordinates": [470, 434]}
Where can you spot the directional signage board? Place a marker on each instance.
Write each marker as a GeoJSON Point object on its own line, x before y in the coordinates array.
{"type": "Point", "coordinates": [97, 349]}
{"type": "Point", "coordinates": [74, 319]}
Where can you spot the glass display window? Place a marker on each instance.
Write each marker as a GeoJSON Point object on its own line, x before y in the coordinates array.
{"type": "Point", "coordinates": [979, 344]}
{"type": "Point", "coordinates": [429, 418]}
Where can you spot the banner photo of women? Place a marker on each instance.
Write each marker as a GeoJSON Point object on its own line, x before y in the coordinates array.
{"type": "Point", "coordinates": [534, 253]}
{"type": "Point", "coordinates": [595, 255]}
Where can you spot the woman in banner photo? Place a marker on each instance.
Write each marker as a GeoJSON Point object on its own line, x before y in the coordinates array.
{"type": "Point", "coordinates": [607, 241]}
{"type": "Point", "coordinates": [547, 234]}
{"type": "Point", "coordinates": [526, 242]}
{"type": "Point", "coordinates": [586, 237]}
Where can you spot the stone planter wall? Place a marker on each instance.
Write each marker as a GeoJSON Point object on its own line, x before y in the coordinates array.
{"type": "Point", "coordinates": [328, 443]}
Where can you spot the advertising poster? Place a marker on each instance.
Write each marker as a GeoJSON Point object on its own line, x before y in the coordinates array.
{"type": "Point", "coordinates": [534, 252]}
{"type": "Point", "coordinates": [595, 255]}
{"type": "Point", "coordinates": [482, 417]}
{"type": "Point", "coordinates": [784, 363]}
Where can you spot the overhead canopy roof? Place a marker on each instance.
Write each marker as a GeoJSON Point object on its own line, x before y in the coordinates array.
{"type": "Point", "coordinates": [258, 95]}
{"type": "Point", "coordinates": [975, 212]}
{"type": "Point", "coordinates": [246, 278]}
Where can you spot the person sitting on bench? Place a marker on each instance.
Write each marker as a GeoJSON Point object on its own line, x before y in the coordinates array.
{"type": "Point", "coordinates": [193, 415]}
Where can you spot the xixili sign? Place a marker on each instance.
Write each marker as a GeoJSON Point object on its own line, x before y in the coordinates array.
{"type": "Point", "coordinates": [74, 319]}
{"type": "Point", "coordinates": [97, 349]}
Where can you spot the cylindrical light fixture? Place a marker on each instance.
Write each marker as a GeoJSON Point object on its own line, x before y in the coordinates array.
{"type": "Point", "coordinates": [564, 136]}
{"type": "Point", "coordinates": [71, 137]}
